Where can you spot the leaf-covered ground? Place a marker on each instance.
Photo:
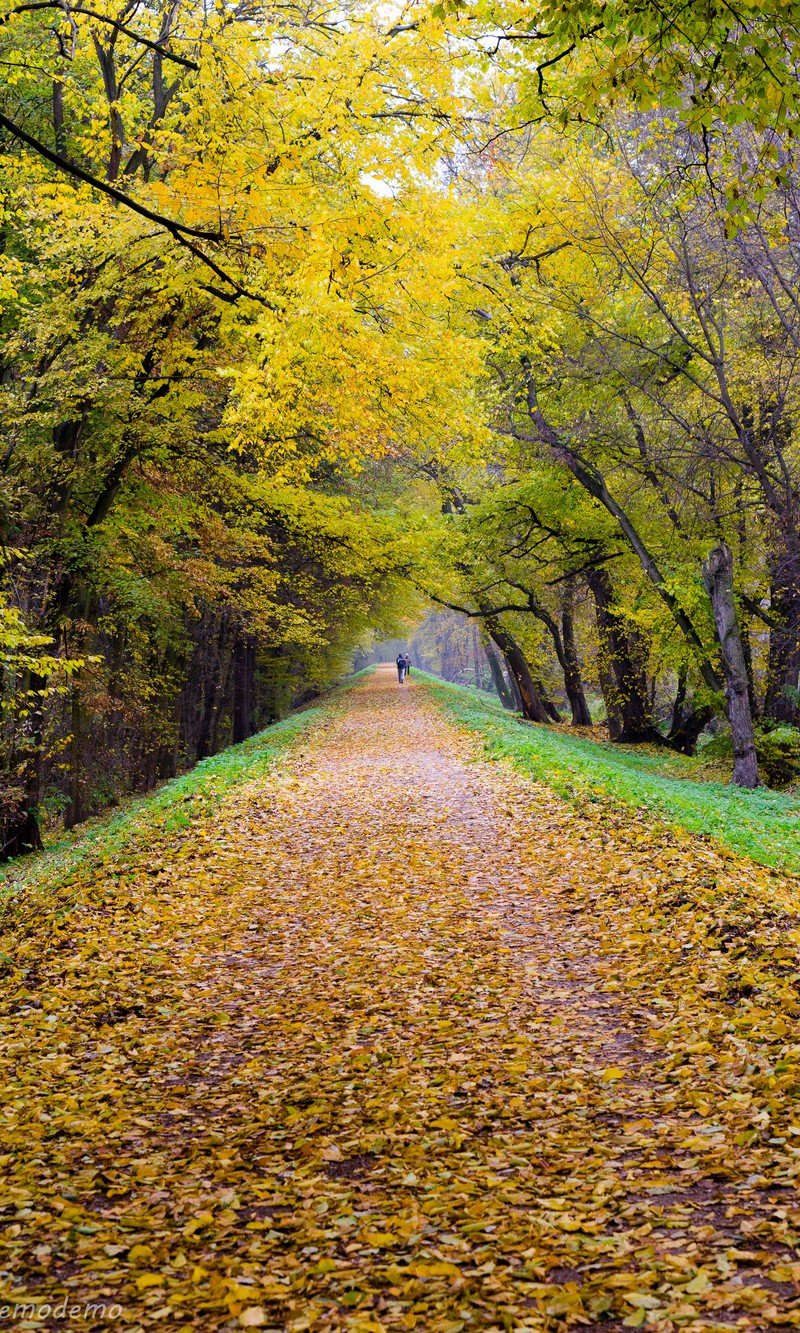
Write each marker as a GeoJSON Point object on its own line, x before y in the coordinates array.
{"type": "Point", "coordinates": [396, 1039]}
{"type": "Point", "coordinates": [762, 824]}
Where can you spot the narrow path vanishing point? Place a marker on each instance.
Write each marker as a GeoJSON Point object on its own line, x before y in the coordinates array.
{"type": "Point", "coordinates": [378, 1050]}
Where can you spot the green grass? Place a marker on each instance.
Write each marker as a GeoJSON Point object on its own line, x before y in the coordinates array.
{"type": "Point", "coordinates": [762, 824]}
{"type": "Point", "coordinates": [149, 820]}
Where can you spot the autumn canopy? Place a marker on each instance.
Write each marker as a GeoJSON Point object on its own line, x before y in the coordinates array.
{"type": "Point", "coordinates": [316, 318]}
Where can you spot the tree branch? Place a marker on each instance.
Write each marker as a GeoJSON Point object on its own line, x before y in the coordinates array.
{"type": "Point", "coordinates": [485, 613]}
{"type": "Point", "coordinates": [72, 169]}
{"type": "Point", "coordinates": [177, 230]}
{"type": "Point", "coordinates": [594, 482]}
{"type": "Point", "coordinates": [758, 611]}
{"type": "Point", "coordinates": [101, 18]}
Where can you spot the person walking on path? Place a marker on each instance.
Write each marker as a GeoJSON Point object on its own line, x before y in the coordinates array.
{"type": "Point", "coordinates": [401, 668]}
{"type": "Point", "coordinates": [408, 665]}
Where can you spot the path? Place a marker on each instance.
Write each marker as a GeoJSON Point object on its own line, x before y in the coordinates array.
{"type": "Point", "coordinates": [388, 1047]}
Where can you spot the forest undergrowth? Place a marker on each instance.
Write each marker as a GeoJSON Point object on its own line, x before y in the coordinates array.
{"type": "Point", "coordinates": [393, 1037]}
{"type": "Point", "coordinates": [157, 816]}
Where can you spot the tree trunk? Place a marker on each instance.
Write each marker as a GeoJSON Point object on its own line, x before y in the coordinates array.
{"type": "Point", "coordinates": [623, 680]}
{"type": "Point", "coordinates": [608, 689]}
{"type": "Point", "coordinates": [685, 727]}
{"type": "Point", "coordinates": [572, 680]}
{"type": "Point", "coordinates": [581, 717]}
{"type": "Point", "coordinates": [244, 666]}
{"type": "Point", "coordinates": [516, 697]}
{"type": "Point", "coordinates": [680, 700]}
{"type": "Point", "coordinates": [76, 811]}
{"type": "Point", "coordinates": [547, 703]}
{"type": "Point", "coordinates": [593, 482]}
{"type": "Point", "coordinates": [58, 118]}
{"type": "Point", "coordinates": [20, 832]}
{"type": "Point", "coordinates": [684, 737]}
{"type": "Point", "coordinates": [532, 707]}
{"type": "Point", "coordinates": [783, 665]}
{"type": "Point", "coordinates": [500, 684]}
{"type": "Point", "coordinates": [718, 579]}
{"type": "Point", "coordinates": [748, 666]}
{"type": "Point", "coordinates": [224, 692]}
{"type": "Point", "coordinates": [214, 694]}
{"type": "Point", "coordinates": [476, 657]}
{"type": "Point", "coordinates": [20, 825]}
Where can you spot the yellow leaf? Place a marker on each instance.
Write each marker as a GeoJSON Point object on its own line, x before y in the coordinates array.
{"type": "Point", "coordinates": [611, 1075]}
{"type": "Point", "coordinates": [149, 1280]}
{"type": "Point", "coordinates": [202, 1220]}
{"type": "Point", "coordinates": [253, 1317]}
{"type": "Point", "coordinates": [785, 1273]}
{"type": "Point", "coordinates": [636, 1320]}
{"type": "Point", "coordinates": [698, 1284]}
{"type": "Point", "coordinates": [139, 1253]}
{"type": "Point", "coordinates": [324, 1266]}
{"type": "Point", "coordinates": [436, 1269]}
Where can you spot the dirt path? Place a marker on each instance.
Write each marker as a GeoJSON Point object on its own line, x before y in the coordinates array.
{"type": "Point", "coordinates": [404, 1042]}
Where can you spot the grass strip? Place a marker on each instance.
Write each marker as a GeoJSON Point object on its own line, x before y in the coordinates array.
{"type": "Point", "coordinates": [761, 824]}
{"type": "Point", "coordinates": [144, 821]}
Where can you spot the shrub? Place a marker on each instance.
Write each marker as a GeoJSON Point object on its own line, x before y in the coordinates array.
{"type": "Point", "coordinates": [778, 751]}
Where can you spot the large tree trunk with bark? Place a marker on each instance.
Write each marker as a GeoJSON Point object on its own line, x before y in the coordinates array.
{"type": "Point", "coordinates": [680, 700]}
{"type": "Point", "coordinates": [532, 707]}
{"type": "Point", "coordinates": [501, 685]}
{"type": "Point", "coordinates": [573, 684]}
{"type": "Point", "coordinates": [547, 703]}
{"type": "Point", "coordinates": [686, 723]}
{"type": "Point", "coordinates": [718, 579]}
{"type": "Point", "coordinates": [623, 680]}
{"type": "Point", "coordinates": [516, 697]}
{"type": "Point", "coordinates": [567, 660]}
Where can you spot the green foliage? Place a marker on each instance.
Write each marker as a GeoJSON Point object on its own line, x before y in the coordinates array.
{"type": "Point", "coordinates": [778, 750]}
{"type": "Point", "coordinates": [32, 679]}
{"type": "Point", "coordinates": [713, 62]}
{"type": "Point", "coordinates": [22, 654]}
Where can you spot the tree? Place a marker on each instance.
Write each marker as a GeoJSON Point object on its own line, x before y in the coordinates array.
{"type": "Point", "coordinates": [212, 318]}
{"type": "Point", "coordinates": [623, 329]}
{"type": "Point", "coordinates": [718, 578]}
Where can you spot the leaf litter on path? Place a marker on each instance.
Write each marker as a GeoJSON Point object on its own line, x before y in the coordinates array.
{"type": "Point", "coordinates": [401, 1040]}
